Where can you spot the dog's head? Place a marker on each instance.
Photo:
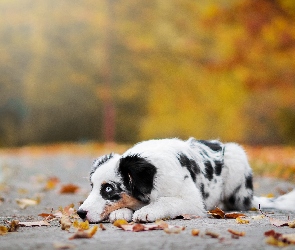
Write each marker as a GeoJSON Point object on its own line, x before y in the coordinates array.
{"type": "Point", "coordinates": [117, 183]}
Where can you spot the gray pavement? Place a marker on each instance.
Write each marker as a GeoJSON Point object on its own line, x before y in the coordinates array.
{"type": "Point", "coordinates": [24, 175]}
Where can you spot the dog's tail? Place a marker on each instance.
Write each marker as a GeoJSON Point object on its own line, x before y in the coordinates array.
{"type": "Point", "coordinates": [283, 202]}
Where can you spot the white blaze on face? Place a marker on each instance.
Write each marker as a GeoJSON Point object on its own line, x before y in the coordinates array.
{"type": "Point", "coordinates": [95, 204]}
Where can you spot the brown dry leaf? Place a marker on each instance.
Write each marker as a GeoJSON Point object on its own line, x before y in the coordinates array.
{"type": "Point", "coordinates": [289, 238]}
{"type": "Point", "coordinates": [234, 215]}
{"type": "Point", "coordinates": [24, 203]}
{"type": "Point", "coordinates": [211, 234]}
{"type": "Point", "coordinates": [51, 183]}
{"type": "Point", "coordinates": [128, 227]}
{"type": "Point", "coordinates": [67, 211]}
{"type": "Point", "coordinates": [3, 230]}
{"type": "Point", "coordinates": [69, 189]}
{"type": "Point", "coordinates": [291, 224]}
{"type": "Point", "coordinates": [81, 225]}
{"type": "Point", "coordinates": [138, 227]}
{"type": "Point", "coordinates": [152, 227]}
{"type": "Point", "coordinates": [34, 223]}
{"type": "Point", "coordinates": [102, 227]}
{"type": "Point", "coordinates": [1, 200]}
{"type": "Point", "coordinates": [84, 233]}
{"type": "Point", "coordinates": [217, 213]}
{"type": "Point", "coordinates": [174, 229]}
{"type": "Point", "coordinates": [189, 216]}
{"type": "Point", "coordinates": [278, 223]}
{"type": "Point", "coordinates": [65, 222]}
{"type": "Point", "coordinates": [162, 224]}
{"type": "Point", "coordinates": [258, 217]}
{"type": "Point", "coordinates": [237, 233]}
{"type": "Point", "coordinates": [195, 232]}
{"type": "Point", "coordinates": [13, 226]}
{"type": "Point", "coordinates": [278, 239]}
{"type": "Point", "coordinates": [240, 220]}
{"type": "Point", "coordinates": [275, 242]}
{"type": "Point", "coordinates": [120, 222]}
{"type": "Point", "coordinates": [47, 216]}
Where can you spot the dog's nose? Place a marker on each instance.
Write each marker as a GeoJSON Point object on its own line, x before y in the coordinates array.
{"type": "Point", "coordinates": [82, 213]}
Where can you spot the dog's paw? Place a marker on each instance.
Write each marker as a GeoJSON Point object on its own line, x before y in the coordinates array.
{"type": "Point", "coordinates": [146, 214]}
{"type": "Point", "coordinates": [123, 213]}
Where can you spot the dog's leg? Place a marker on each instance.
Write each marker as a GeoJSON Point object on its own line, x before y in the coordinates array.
{"type": "Point", "coordinates": [123, 213]}
{"type": "Point", "coordinates": [169, 207]}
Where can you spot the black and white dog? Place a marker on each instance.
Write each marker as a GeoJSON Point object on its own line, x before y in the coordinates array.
{"type": "Point", "coordinates": [167, 178]}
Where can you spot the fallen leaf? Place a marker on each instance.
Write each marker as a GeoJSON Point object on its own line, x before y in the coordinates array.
{"type": "Point", "coordinates": [34, 223]}
{"type": "Point", "coordinates": [102, 227]}
{"type": "Point", "coordinates": [211, 234]}
{"type": "Point", "coordinates": [3, 230]}
{"type": "Point", "coordinates": [69, 189]}
{"type": "Point", "coordinates": [65, 222]}
{"type": "Point", "coordinates": [81, 225]}
{"type": "Point", "coordinates": [272, 233]}
{"type": "Point", "coordinates": [47, 216]}
{"type": "Point", "coordinates": [128, 227]}
{"type": "Point", "coordinates": [217, 213]}
{"type": "Point", "coordinates": [289, 238]}
{"type": "Point", "coordinates": [189, 216]}
{"type": "Point", "coordinates": [195, 232]}
{"type": "Point", "coordinates": [270, 195]}
{"type": "Point", "coordinates": [240, 220]}
{"type": "Point", "coordinates": [278, 223]}
{"type": "Point", "coordinates": [13, 226]}
{"type": "Point", "coordinates": [278, 239]}
{"type": "Point", "coordinates": [24, 203]}
{"type": "Point", "coordinates": [1, 200]}
{"type": "Point", "coordinates": [258, 217]}
{"type": "Point", "coordinates": [120, 222]}
{"type": "Point", "coordinates": [237, 233]}
{"type": "Point", "coordinates": [173, 229]}
{"type": "Point", "coordinates": [84, 233]}
{"type": "Point", "coordinates": [162, 224]}
{"type": "Point", "coordinates": [51, 183]}
{"type": "Point", "coordinates": [138, 227]}
{"type": "Point", "coordinates": [291, 224]}
{"type": "Point", "coordinates": [234, 215]}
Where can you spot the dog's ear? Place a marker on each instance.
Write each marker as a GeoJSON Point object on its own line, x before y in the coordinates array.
{"type": "Point", "coordinates": [138, 176]}
{"type": "Point", "coordinates": [100, 161]}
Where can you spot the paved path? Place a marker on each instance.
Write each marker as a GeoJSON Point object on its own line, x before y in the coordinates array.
{"type": "Point", "coordinates": [24, 175]}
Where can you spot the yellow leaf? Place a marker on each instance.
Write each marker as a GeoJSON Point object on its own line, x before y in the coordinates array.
{"type": "Point", "coordinates": [239, 220]}
{"type": "Point", "coordinates": [120, 222]}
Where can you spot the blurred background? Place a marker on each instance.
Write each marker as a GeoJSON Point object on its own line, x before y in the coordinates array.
{"type": "Point", "coordinates": [129, 70]}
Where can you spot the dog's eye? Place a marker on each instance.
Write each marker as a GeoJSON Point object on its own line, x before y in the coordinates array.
{"type": "Point", "coordinates": [108, 189]}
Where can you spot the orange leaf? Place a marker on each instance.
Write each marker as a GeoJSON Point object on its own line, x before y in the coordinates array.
{"type": "Point", "coordinates": [120, 222]}
{"type": "Point", "coordinates": [195, 232]}
{"type": "Point", "coordinates": [237, 233]}
{"type": "Point", "coordinates": [213, 235]}
{"type": "Point", "coordinates": [69, 189]}
{"type": "Point", "coordinates": [84, 234]}
{"type": "Point", "coordinates": [217, 213]}
{"type": "Point", "coordinates": [51, 183]}
{"type": "Point", "coordinates": [234, 215]}
{"type": "Point", "coordinates": [239, 220]}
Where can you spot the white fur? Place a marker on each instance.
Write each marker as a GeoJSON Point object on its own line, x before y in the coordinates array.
{"type": "Point", "coordinates": [174, 192]}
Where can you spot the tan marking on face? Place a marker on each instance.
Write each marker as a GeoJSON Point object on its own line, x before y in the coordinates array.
{"type": "Point", "coordinates": [126, 201]}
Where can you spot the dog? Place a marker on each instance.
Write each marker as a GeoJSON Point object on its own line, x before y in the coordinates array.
{"type": "Point", "coordinates": [167, 178]}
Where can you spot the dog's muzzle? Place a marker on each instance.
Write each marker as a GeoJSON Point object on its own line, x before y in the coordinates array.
{"type": "Point", "coordinates": [82, 213]}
